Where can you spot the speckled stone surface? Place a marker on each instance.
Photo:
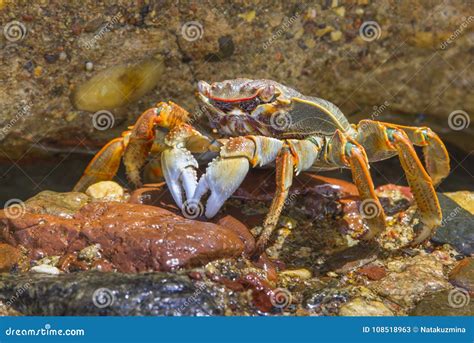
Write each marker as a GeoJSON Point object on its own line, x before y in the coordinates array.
{"type": "Point", "coordinates": [413, 71]}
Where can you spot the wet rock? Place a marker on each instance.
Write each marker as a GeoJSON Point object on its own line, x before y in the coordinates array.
{"type": "Point", "coordinates": [132, 237]}
{"type": "Point", "coordinates": [410, 279]}
{"type": "Point", "coordinates": [444, 304]}
{"type": "Point", "coordinates": [9, 257]}
{"type": "Point", "coordinates": [327, 301]}
{"type": "Point", "coordinates": [105, 191]}
{"type": "Point", "coordinates": [112, 294]}
{"type": "Point", "coordinates": [45, 269]}
{"type": "Point", "coordinates": [117, 86]}
{"type": "Point", "coordinates": [90, 253]}
{"type": "Point", "coordinates": [457, 226]}
{"type": "Point", "coordinates": [58, 204]}
{"type": "Point", "coordinates": [362, 307]}
{"type": "Point", "coordinates": [373, 272]}
{"type": "Point", "coordinates": [463, 275]}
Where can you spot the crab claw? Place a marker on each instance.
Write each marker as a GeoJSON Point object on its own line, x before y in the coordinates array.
{"type": "Point", "coordinates": [179, 170]}
{"type": "Point", "coordinates": [223, 176]}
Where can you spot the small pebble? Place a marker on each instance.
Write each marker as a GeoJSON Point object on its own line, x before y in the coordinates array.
{"type": "Point", "coordinates": [62, 56]}
{"type": "Point", "coordinates": [89, 66]}
{"type": "Point", "coordinates": [105, 190]}
{"type": "Point", "coordinates": [51, 58]}
{"type": "Point", "coordinates": [38, 71]}
{"type": "Point", "coordinates": [45, 269]}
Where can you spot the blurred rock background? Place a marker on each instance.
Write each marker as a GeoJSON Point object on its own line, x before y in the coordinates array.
{"type": "Point", "coordinates": [406, 62]}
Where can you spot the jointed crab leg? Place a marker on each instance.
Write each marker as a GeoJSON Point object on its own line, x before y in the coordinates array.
{"type": "Point", "coordinates": [435, 154]}
{"type": "Point", "coordinates": [395, 141]}
{"type": "Point", "coordinates": [347, 153]}
{"type": "Point", "coordinates": [104, 165]}
{"type": "Point", "coordinates": [284, 178]}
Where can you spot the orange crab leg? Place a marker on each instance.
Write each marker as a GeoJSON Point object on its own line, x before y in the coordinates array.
{"type": "Point", "coordinates": [103, 166]}
{"type": "Point", "coordinates": [387, 138]}
{"type": "Point", "coordinates": [435, 154]}
{"type": "Point", "coordinates": [285, 163]}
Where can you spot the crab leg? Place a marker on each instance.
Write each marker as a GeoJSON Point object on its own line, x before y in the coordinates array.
{"type": "Point", "coordinates": [346, 152]}
{"type": "Point", "coordinates": [284, 178]}
{"type": "Point", "coordinates": [104, 165]}
{"type": "Point", "coordinates": [435, 154]}
{"type": "Point", "coordinates": [393, 139]}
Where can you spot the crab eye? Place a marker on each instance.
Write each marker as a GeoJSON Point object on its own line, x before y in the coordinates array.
{"type": "Point", "coordinates": [267, 93]}
{"type": "Point", "coordinates": [249, 105]}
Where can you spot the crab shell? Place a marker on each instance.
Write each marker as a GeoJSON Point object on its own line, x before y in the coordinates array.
{"type": "Point", "coordinates": [265, 107]}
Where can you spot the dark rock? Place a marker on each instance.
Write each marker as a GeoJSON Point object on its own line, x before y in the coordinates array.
{"type": "Point", "coordinates": [457, 227]}
{"type": "Point", "coordinates": [439, 304]}
{"type": "Point", "coordinates": [111, 294]}
{"type": "Point", "coordinates": [463, 275]}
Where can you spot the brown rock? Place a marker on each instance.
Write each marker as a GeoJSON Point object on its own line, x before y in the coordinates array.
{"type": "Point", "coordinates": [133, 237]}
{"type": "Point", "coordinates": [373, 272]}
{"type": "Point", "coordinates": [463, 275]}
{"type": "Point", "coordinates": [9, 256]}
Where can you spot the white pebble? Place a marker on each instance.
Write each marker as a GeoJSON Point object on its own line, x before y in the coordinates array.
{"type": "Point", "coordinates": [62, 56]}
{"type": "Point", "coordinates": [45, 269]}
{"type": "Point", "coordinates": [89, 66]}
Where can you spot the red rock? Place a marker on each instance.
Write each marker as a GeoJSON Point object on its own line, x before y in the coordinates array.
{"type": "Point", "coordinates": [373, 272]}
{"type": "Point", "coordinates": [133, 237]}
{"type": "Point", "coordinates": [9, 257]}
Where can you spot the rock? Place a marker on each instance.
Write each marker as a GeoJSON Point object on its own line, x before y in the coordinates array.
{"type": "Point", "coordinates": [110, 294]}
{"type": "Point", "coordinates": [45, 269]}
{"type": "Point", "coordinates": [457, 226]}
{"type": "Point", "coordinates": [105, 191]}
{"type": "Point", "coordinates": [187, 61]}
{"type": "Point", "coordinates": [90, 253]}
{"type": "Point", "coordinates": [373, 272]}
{"type": "Point", "coordinates": [327, 301]}
{"type": "Point", "coordinates": [303, 274]}
{"type": "Point", "coordinates": [9, 257]}
{"type": "Point", "coordinates": [463, 275]}
{"type": "Point", "coordinates": [409, 280]}
{"type": "Point", "coordinates": [133, 237]}
{"type": "Point", "coordinates": [361, 307]}
{"type": "Point", "coordinates": [118, 85]}
{"type": "Point", "coordinates": [58, 204]}
{"type": "Point", "coordinates": [439, 304]}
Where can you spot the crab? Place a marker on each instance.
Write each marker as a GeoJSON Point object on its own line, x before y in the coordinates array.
{"type": "Point", "coordinates": [262, 123]}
